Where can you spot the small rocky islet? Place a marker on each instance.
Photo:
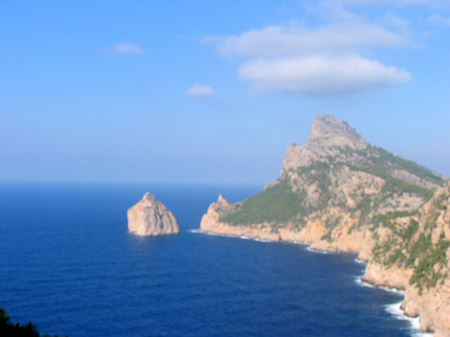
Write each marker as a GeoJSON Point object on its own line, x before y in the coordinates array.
{"type": "Point", "coordinates": [339, 193]}
{"type": "Point", "coordinates": [149, 217]}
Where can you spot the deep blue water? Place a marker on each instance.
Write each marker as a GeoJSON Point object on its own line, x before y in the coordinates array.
{"type": "Point", "coordinates": [68, 264]}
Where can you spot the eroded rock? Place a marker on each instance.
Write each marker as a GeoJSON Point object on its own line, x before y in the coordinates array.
{"type": "Point", "coordinates": [149, 217]}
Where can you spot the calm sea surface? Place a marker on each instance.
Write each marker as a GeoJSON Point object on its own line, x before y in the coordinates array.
{"type": "Point", "coordinates": [69, 265]}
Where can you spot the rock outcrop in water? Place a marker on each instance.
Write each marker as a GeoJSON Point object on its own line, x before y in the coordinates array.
{"type": "Point", "coordinates": [339, 193]}
{"type": "Point", "coordinates": [149, 217]}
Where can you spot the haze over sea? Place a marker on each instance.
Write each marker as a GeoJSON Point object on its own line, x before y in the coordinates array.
{"type": "Point", "coordinates": [69, 265]}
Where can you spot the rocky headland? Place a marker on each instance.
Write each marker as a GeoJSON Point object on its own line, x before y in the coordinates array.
{"type": "Point", "coordinates": [149, 217]}
{"type": "Point", "coordinates": [339, 193]}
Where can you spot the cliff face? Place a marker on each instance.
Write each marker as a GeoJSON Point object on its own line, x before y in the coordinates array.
{"type": "Point", "coordinates": [339, 193]}
{"type": "Point", "coordinates": [149, 217]}
{"type": "Point", "coordinates": [420, 264]}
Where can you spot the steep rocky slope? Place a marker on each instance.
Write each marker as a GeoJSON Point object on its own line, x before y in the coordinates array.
{"type": "Point", "coordinates": [340, 193]}
{"type": "Point", "coordinates": [417, 259]}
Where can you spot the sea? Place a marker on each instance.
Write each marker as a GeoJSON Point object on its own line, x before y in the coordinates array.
{"type": "Point", "coordinates": [69, 265]}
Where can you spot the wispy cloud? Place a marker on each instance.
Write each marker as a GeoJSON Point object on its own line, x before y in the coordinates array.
{"type": "Point", "coordinates": [295, 40]}
{"type": "Point", "coordinates": [395, 3]}
{"type": "Point", "coordinates": [200, 91]}
{"type": "Point", "coordinates": [338, 54]}
{"type": "Point", "coordinates": [320, 75]}
{"type": "Point", "coordinates": [127, 48]}
{"type": "Point", "coordinates": [387, 2]}
{"type": "Point", "coordinates": [437, 19]}
{"type": "Point", "coordinates": [323, 61]}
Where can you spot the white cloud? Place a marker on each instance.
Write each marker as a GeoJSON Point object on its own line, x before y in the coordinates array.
{"type": "Point", "coordinates": [437, 19]}
{"type": "Point", "coordinates": [127, 48]}
{"type": "Point", "coordinates": [200, 91]}
{"type": "Point", "coordinates": [387, 2]}
{"type": "Point", "coordinates": [288, 41]}
{"type": "Point", "coordinates": [396, 3]}
{"type": "Point", "coordinates": [335, 57]}
{"type": "Point", "coordinates": [320, 75]}
{"type": "Point", "coordinates": [323, 61]}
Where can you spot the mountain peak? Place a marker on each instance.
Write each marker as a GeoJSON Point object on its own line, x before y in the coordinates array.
{"type": "Point", "coordinates": [329, 137]}
{"type": "Point", "coordinates": [325, 126]}
{"type": "Point", "coordinates": [148, 196]}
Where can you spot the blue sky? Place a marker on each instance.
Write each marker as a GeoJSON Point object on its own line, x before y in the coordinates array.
{"type": "Point", "coordinates": [214, 91]}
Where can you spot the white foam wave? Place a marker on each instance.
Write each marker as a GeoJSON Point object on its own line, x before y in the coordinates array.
{"type": "Point", "coordinates": [243, 237]}
{"type": "Point", "coordinates": [395, 310]}
{"type": "Point", "coordinates": [301, 243]}
{"type": "Point", "coordinates": [261, 240]}
{"type": "Point", "coordinates": [208, 233]}
{"type": "Point", "coordinates": [309, 249]}
{"type": "Point", "coordinates": [361, 283]}
{"type": "Point", "coordinates": [254, 239]}
{"type": "Point", "coordinates": [393, 290]}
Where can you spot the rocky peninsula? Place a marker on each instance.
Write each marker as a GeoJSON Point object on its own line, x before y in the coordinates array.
{"type": "Point", "coordinates": [339, 193]}
{"type": "Point", "coordinates": [149, 217]}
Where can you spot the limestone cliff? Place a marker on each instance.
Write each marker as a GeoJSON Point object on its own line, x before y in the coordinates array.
{"type": "Point", "coordinates": [339, 193]}
{"type": "Point", "coordinates": [418, 261]}
{"type": "Point", "coordinates": [149, 217]}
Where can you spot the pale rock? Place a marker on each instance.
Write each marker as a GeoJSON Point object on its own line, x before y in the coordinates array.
{"type": "Point", "coordinates": [393, 277]}
{"type": "Point", "coordinates": [413, 179]}
{"type": "Point", "coordinates": [339, 132]}
{"type": "Point", "coordinates": [336, 225]}
{"type": "Point", "coordinates": [149, 217]}
{"type": "Point", "coordinates": [329, 138]}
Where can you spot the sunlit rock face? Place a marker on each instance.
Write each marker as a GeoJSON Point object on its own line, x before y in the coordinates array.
{"type": "Point", "coordinates": [149, 217]}
{"type": "Point", "coordinates": [337, 192]}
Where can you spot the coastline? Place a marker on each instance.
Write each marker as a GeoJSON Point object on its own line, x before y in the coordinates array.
{"type": "Point", "coordinates": [395, 309]}
{"type": "Point", "coordinates": [338, 193]}
{"type": "Point", "coordinates": [431, 304]}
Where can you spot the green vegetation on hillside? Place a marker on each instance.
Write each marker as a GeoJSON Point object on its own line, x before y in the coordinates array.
{"type": "Point", "coordinates": [318, 174]}
{"type": "Point", "coordinates": [425, 258]}
{"type": "Point", "coordinates": [277, 203]}
{"type": "Point", "coordinates": [398, 248]}
{"type": "Point", "coordinates": [380, 162]}
{"type": "Point", "coordinates": [327, 236]}
{"type": "Point", "coordinates": [280, 204]}
{"type": "Point", "coordinates": [381, 250]}
{"type": "Point", "coordinates": [404, 164]}
{"type": "Point", "coordinates": [387, 219]}
{"type": "Point", "coordinates": [409, 231]}
{"type": "Point", "coordinates": [418, 248]}
{"type": "Point", "coordinates": [428, 271]}
{"type": "Point", "coordinates": [318, 190]}
{"type": "Point", "coordinates": [394, 185]}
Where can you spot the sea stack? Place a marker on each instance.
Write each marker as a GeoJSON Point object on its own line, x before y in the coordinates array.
{"type": "Point", "coordinates": [149, 217]}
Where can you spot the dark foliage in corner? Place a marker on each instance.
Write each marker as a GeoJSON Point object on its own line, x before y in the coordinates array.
{"type": "Point", "coordinates": [9, 329]}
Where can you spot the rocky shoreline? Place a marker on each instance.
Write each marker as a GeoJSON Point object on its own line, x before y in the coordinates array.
{"type": "Point", "coordinates": [388, 280]}
{"type": "Point", "coordinates": [433, 307]}
{"type": "Point", "coordinates": [338, 193]}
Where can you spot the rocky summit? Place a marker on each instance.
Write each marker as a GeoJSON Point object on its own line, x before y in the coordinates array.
{"type": "Point", "coordinates": [149, 217]}
{"type": "Point", "coordinates": [339, 193]}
